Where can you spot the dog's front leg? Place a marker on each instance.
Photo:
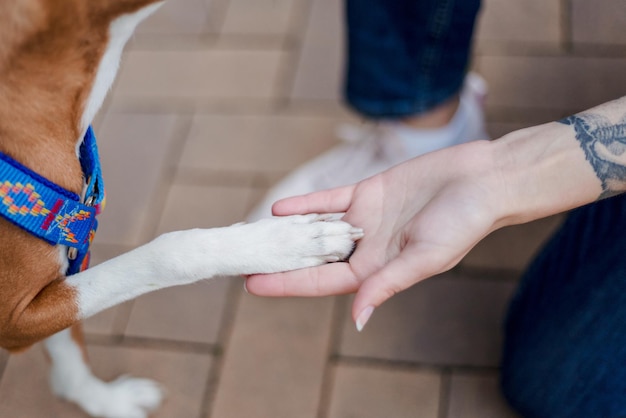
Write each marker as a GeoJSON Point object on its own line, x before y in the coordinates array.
{"type": "Point", "coordinates": [183, 257]}
{"type": "Point", "coordinates": [177, 258]}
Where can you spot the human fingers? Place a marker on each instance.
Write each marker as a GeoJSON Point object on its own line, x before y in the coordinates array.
{"type": "Point", "coordinates": [324, 280]}
{"type": "Point", "coordinates": [326, 201]}
{"type": "Point", "coordinates": [408, 268]}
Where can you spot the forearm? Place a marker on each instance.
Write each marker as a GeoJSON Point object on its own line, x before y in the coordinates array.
{"type": "Point", "coordinates": [558, 166]}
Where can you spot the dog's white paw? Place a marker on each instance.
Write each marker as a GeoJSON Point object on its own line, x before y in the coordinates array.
{"type": "Point", "coordinates": [270, 245]}
{"type": "Point", "coordinates": [125, 397]}
{"type": "Point", "coordinates": [293, 242]}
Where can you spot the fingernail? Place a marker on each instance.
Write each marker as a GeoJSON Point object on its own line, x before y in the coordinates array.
{"type": "Point", "coordinates": [363, 317]}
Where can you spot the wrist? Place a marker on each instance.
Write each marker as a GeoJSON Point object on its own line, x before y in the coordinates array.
{"type": "Point", "coordinates": [542, 171]}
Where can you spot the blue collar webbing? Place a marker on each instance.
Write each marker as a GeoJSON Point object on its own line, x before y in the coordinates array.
{"type": "Point", "coordinates": [51, 212]}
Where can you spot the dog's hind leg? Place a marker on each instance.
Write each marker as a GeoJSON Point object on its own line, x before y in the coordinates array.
{"type": "Point", "coordinates": [71, 379]}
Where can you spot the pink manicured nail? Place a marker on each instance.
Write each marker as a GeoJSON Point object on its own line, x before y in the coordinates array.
{"type": "Point", "coordinates": [363, 317]}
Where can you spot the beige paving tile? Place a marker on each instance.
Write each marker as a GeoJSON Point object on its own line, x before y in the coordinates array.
{"type": "Point", "coordinates": [24, 391]}
{"type": "Point", "coordinates": [194, 74]}
{"type": "Point", "coordinates": [512, 247]}
{"type": "Point", "coordinates": [183, 375]}
{"type": "Point", "coordinates": [274, 362]}
{"type": "Point", "coordinates": [176, 17]}
{"type": "Point", "coordinates": [276, 355]}
{"type": "Point", "coordinates": [273, 143]}
{"type": "Point", "coordinates": [102, 323]}
{"type": "Point", "coordinates": [320, 65]}
{"type": "Point", "coordinates": [473, 395]}
{"type": "Point", "coordinates": [184, 313]}
{"type": "Point", "coordinates": [190, 207]}
{"type": "Point", "coordinates": [259, 16]}
{"type": "Point", "coordinates": [372, 392]}
{"type": "Point", "coordinates": [503, 21]}
{"type": "Point", "coordinates": [599, 21]}
{"type": "Point", "coordinates": [102, 252]}
{"type": "Point", "coordinates": [443, 320]}
{"type": "Point", "coordinates": [134, 150]}
{"type": "Point", "coordinates": [571, 83]}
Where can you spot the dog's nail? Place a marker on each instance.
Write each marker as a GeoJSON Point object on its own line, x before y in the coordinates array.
{"type": "Point", "coordinates": [331, 258]}
{"type": "Point", "coordinates": [329, 217]}
{"type": "Point", "coordinates": [245, 287]}
{"type": "Point", "coordinates": [356, 233]}
{"type": "Point", "coordinates": [363, 317]}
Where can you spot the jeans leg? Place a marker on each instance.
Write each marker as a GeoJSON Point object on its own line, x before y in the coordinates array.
{"type": "Point", "coordinates": [565, 346]}
{"type": "Point", "coordinates": [406, 56]}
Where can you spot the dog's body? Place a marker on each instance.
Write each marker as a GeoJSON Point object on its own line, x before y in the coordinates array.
{"type": "Point", "coordinates": [58, 58]}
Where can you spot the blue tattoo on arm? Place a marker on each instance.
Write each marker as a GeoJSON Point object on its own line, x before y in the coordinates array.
{"type": "Point", "coordinates": [604, 144]}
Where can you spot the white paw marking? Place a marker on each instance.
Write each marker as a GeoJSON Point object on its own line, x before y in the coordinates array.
{"type": "Point", "coordinates": [295, 242]}
{"type": "Point", "coordinates": [125, 397]}
{"type": "Point", "coordinates": [71, 379]}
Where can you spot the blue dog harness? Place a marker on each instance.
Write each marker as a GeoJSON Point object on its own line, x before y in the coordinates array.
{"type": "Point", "coordinates": [51, 212]}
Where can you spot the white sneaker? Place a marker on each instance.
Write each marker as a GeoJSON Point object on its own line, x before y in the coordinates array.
{"type": "Point", "coordinates": [369, 150]}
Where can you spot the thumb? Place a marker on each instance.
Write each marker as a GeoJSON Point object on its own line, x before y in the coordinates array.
{"type": "Point", "coordinates": [399, 274]}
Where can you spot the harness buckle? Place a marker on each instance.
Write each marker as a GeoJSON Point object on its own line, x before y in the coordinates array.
{"type": "Point", "coordinates": [72, 252]}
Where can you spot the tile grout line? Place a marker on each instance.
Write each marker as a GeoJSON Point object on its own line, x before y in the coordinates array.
{"type": "Point", "coordinates": [215, 177]}
{"type": "Point", "coordinates": [190, 106]}
{"type": "Point", "coordinates": [411, 365]}
{"type": "Point", "coordinates": [209, 42]}
{"type": "Point", "coordinates": [122, 318]}
{"type": "Point", "coordinates": [230, 106]}
{"type": "Point", "coordinates": [444, 393]}
{"type": "Point", "coordinates": [151, 343]}
{"type": "Point", "coordinates": [519, 48]}
{"type": "Point", "coordinates": [4, 359]}
{"type": "Point", "coordinates": [328, 376]}
{"type": "Point", "coordinates": [178, 139]}
{"type": "Point", "coordinates": [224, 334]}
{"type": "Point", "coordinates": [515, 50]}
{"type": "Point", "coordinates": [293, 52]}
{"type": "Point", "coordinates": [566, 26]}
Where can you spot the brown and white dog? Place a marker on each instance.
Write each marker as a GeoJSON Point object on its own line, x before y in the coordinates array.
{"type": "Point", "coordinates": [58, 59]}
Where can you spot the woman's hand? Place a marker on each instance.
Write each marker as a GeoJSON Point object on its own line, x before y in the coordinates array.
{"type": "Point", "coordinates": [420, 218]}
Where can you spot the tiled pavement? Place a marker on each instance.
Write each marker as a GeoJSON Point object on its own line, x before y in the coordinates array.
{"type": "Point", "coordinates": [216, 100]}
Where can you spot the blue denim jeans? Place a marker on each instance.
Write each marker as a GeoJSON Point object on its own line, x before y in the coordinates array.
{"type": "Point", "coordinates": [406, 56]}
{"type": "Point", "coordinates": [565, 334]}
{"type": "Point", "coordinates": [565, 338]}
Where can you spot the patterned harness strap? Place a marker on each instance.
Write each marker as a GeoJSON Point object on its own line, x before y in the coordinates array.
{"type": "Point", "coordinates": [51, 212]}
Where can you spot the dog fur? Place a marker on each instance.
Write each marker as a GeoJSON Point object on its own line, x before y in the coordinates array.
{"type": "Point", "coordinates": [58, 59]}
